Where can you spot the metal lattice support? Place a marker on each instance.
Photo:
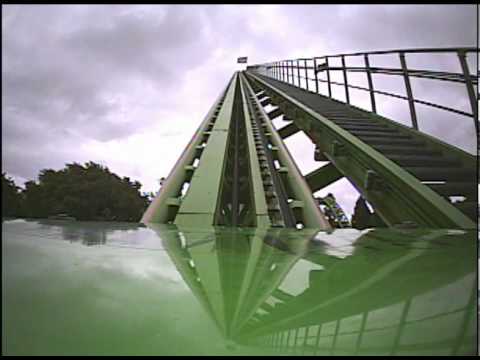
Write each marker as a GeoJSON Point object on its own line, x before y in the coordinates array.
{"type": "Point", "coordinates": [238, 172]}
{"type": "Point", "coordinates": [238, 277]}
{"type": "Point", "coordinates": [406, 175]}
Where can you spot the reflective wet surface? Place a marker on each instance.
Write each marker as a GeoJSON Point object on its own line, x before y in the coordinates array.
{"type": "Point", "coordinates": [112, 289]}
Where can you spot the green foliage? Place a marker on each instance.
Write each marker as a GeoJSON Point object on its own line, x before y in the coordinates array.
{"type": "Point", "coordinates": [11, 197]}
{"type": "Point", "coordinates": [89, 192]}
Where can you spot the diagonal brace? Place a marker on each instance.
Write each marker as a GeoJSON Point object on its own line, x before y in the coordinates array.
{"type": "Point", "coordinates": [322, 177]}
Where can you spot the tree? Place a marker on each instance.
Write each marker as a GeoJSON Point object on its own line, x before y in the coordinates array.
{"type": "Point", "coordinates": [89, 192]}
{"type": "Point", "coordinates": [11, 197]}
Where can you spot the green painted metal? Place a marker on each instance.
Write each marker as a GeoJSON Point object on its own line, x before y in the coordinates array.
{"type": "Point", "coordinates": [200, 203]}
{"type": "Point", "coordinates": [395, 193]}
{"type": "Point", "coordinates": [165, 205]}
{"type": "Point", "coordinates": [322, 177]}
{"type": "Point", "coordinates": [231, 173]}
{"type": "Point", "coordinates": [246, 174]}
{"type": "Point", "coordinates": [312, 217]}
{"type": "Point", "coordinates": [261, 211]}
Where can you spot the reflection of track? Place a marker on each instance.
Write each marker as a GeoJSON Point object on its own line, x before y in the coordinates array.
{"type": "Point", "coordinates": [426, 286]}
{"type": "Point", "coordinates": [406, 175]}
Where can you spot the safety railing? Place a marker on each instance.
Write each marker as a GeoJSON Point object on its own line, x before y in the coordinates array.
{"type": "Point", "coordinates": [307, 70]}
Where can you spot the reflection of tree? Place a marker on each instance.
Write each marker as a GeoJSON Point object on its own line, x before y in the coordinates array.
{"type": "Point", "coordinates": [347, 304]}
{"type": "Point", "coordinates": [94, 237]}
{"type": "Point", "coordinates": [89, 233]}
{"type": "Point", "coordinates": [72, 233]}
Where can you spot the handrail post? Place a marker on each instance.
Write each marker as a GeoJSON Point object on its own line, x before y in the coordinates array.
{"type": "Point", "coordinates": [282, 68]}
{"type": "Point", "coordinates": [315, 72]}
{"type": "Point", "coordinates": [370, 84]}
{"type": "Point", "coordinates": [298, 74]}
{"type": "Point", "coordinates": [345, 81]}
{"type": "Point", "coordinates": [293, 72]}
{"type": "Point", "coordinates": [306, 73]}
{"type": "Point", "coordinates": [408, 88]}
{"type": "Point", "coordinates": [328, 78]}
{"type": "Point", "coordinates": [288, 71]}
{"type": "Point", "coordinates": [462, 56]}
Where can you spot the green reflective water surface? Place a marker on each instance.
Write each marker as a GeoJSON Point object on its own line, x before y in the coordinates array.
{"type": "Point", "coordinates": [113, 289]}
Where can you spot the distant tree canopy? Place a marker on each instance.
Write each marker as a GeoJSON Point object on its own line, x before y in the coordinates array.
{"type": "Point", "coordinates": [89, 192]}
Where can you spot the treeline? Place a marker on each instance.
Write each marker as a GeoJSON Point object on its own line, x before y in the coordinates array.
{"type": "Point", "coordinates": [88, 192]}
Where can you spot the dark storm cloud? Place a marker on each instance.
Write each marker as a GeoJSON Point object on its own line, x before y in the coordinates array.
{"type": "Point", "coordinates": [352, 28]}
{"type": "Point", "coordinates": [68, 70]}
{"type": "Point", "coordinates": [53, 73]}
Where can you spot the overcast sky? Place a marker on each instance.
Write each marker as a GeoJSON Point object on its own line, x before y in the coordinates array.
{"type": "Point", "coordinates": [126, 86]}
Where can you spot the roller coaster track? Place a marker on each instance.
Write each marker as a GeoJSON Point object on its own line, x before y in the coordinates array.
{"type": "Point", "coordinates": [239, 172]}
{"type": "Point", "coordinates": [408, 176]}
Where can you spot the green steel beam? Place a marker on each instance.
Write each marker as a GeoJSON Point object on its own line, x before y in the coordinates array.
{"type": "Point", "coordinates": [288, 130]}
{"type": "Point", "coordinates": [260, 204]}
{"type": "Point", "coordinates": [228, 177]}
{"type": "Point", "coordinates": [199, 206]}
{"type": "Point", "coordinates": [168, 200]}
{"type": "Point", "coordinates": [312, 215]}
{"type": "Point", "coordinates": [322, 177]}
{"type": "Point", "coordinates": [396, 195]}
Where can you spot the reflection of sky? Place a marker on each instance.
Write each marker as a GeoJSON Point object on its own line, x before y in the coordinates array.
{"type": "Point", "coordinates": [134, 253]}
{"type": "Point", "coordinates": [296, 280]}
{"type": "Point", "coordinates": [340, 243]}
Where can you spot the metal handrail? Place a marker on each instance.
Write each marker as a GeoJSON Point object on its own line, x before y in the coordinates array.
{"type": "Point", "coordinates": [284, 70]}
